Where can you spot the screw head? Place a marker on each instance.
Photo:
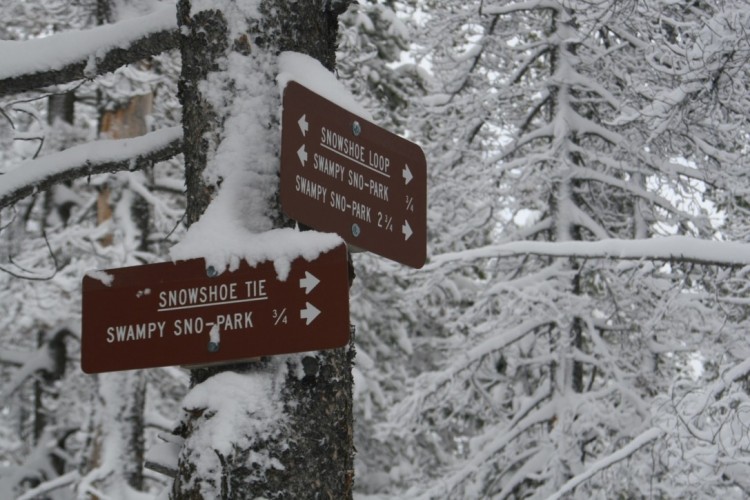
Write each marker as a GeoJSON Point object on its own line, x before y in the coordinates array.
{"type": "Point", "coordinates": [211, 272]}
{"type": "Point", "coordinates": [355, 230]}
{"type": "Point", "coordinates": [213, 347]}
{"type": "Point", "coordinates": [356, 128]}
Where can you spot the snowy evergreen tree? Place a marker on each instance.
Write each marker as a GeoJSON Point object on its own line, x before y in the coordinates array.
{"type": "Point", "coordinates": [557, 365]}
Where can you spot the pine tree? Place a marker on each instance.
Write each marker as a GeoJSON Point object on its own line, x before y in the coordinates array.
{"type": "Point", "coordinates": [558, 358]}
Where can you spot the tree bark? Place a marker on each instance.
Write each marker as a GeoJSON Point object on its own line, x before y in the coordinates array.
{"type": "Point", "coordinates": [313, 449]}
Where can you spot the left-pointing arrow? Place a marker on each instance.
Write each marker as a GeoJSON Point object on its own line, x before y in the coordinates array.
{"type": "Point", "coordinates": [303, 126]}
{"type": "Point", "coordinates": [309, 313]}
{"type": "Point", "coordinates": [302, 155]}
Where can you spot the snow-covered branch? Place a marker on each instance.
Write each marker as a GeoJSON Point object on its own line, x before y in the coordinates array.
{"type": "Point", "coordinates": [660, 201]}
{"type": "Point", "coordinates": [52, 485]}
{"type": "Point", "coordinates": [636, 444]}
{"type": "Point", "coordinates": [95, 157]}
{"type": "Point", "coordinates": [668, 248]}
{"type": "Point", "coordinates": [520, 7]}
{"type": "Point", "coordinates": [75, 55]}
{"type": "Point", "coordinates": [48, 359]}
{"type": "Point", "coordinates": [480, 459]}
{"type": "Point", "coordinates": [430, 383]}
{"type": "Point", "coordinates": [727, 378]}
{"type": "Point", "coordinates": [14, 358]}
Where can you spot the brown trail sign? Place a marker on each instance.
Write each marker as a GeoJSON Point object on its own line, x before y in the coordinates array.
{"type": "Point", "coordinates": [176, 314]}
{"type": "Point", "coordinates": [345, 175]}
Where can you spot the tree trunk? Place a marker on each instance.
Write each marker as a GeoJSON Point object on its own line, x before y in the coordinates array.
{"type": "Point", "coordinates": [121, 421]}
{"type": "Point", "coordinates": [305, 450]}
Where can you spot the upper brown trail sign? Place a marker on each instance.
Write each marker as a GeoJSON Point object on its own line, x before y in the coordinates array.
{"type": "Point", "coordinates": [346, 175]}
{"type": "Point", "coordinates": [177, 314]}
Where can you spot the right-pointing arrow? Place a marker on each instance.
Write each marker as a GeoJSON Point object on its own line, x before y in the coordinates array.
{"type": "Point", "coordinates": [302, 155]}
{"type": "Point", "coordinates": [406, 229]}
{"type": "Point", "coordinates": [309, 313]}
{"type": "Point", "coordinates": [407, 174]}
{"type": "Point", "coordinates": [308, 282]}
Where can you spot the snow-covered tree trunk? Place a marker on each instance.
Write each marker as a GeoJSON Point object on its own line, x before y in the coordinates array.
{"type": "Point", "coordinates": [286, 432]}
{"type": "Point", "coordinates": [115, 452]}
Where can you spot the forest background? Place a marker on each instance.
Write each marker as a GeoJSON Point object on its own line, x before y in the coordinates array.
{"type": "Point", "coordinates": [580, 327]}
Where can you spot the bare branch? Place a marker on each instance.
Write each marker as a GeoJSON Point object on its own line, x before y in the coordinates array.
{"type": "Point", "coordinates": [29, 275]}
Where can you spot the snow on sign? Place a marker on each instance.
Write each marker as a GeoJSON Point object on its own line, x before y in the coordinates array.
{"type": "Point", "coordinates": [178, 314]}
{"type": "Point", "coordinates": [345, 175]}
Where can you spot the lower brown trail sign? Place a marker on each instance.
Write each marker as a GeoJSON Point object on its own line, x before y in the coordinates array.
{"type": "Point", "coordinates": [176, 314]}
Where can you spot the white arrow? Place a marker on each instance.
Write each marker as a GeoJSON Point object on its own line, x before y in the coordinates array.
{"type": "Point", "coordinates": [406, 229]}
{"type": "Point", "coordinates": [303, 126]}
{"type": "Point", "coordinates": [309, 313]}
{"type": "Point", "coordinates": [302, 155]}
{"type": "Point", "coordinates": [308, 282]}
{"type": "Point", "coordinates": [407, 174]}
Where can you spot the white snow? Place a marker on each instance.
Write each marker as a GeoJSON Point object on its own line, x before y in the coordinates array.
{"type": "Point", "coordinates": [224, 244]}
{"type": "Point", "coordinates": [308, 72]}
{"type": "Point", "coordinates": [166, 453]}
{"type": "Point", "coordinates": [229, 396]}
{"type": "Point", "coordinates": [102, 276]}
{"type": "Point", "coordinates": [237, 225]}
{"type": "Point", "coordinates": [214, 335]}
{"type": "Point", "coordinates": [235, 409]}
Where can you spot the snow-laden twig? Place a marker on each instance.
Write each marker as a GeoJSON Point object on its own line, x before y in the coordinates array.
{"type": "Point", "coordinates": [482, 457]}
{"type": "Point", "coordinates": [682, 248]}
{"type": "Point", "coordinates": [636, 444]}
{"type": "Point", "coordinates": [40, 361]}
{"type": "Point", "coordinates": [52, 485]}
{"type": "Point", "coordinates": [97, 157]}
{"type": "Point", "coordinates": [727, 378]}
{"type": "Point", "coordinates": [161, 208]}
{"type": "Point", "coordinates": [434, 381]}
